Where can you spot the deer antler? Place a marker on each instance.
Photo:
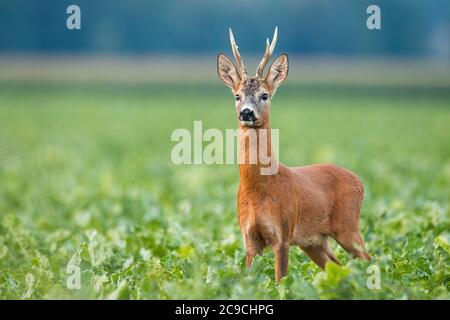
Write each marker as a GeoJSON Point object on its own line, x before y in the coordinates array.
{"type": "Point", "coordinates": [237, 56]}
{"type": "Point", "coordinates": [270, 46]}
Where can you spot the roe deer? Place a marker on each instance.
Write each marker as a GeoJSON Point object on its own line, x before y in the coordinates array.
{"type": "Point", "coordinates": [300, 206]}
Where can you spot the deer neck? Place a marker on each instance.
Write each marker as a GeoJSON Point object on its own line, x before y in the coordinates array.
{"type": "Point", "coordinates": [254, 156]}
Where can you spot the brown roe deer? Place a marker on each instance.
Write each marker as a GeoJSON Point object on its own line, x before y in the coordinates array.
{"type": "Point", "coordinates": [300, 206]}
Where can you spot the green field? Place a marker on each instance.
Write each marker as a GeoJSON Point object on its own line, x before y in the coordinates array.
{"type": "Point", "coordinates": [86, 180]}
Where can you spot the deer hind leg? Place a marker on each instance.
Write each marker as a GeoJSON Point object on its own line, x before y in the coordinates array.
{"type": "Point", "coordinates": [346, 228]}
{"type": "Point", "coordinates": [352, 242]}
{"type": "Point", "coordinates": [331, 255]}
{"type": "Point", "coordinates": [320, 253]}
{"type": "Point", "coordinates": [317, 255]}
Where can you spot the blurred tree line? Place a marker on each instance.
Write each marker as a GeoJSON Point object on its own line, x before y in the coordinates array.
{"type": "Point", "coordinates": [409, 27]}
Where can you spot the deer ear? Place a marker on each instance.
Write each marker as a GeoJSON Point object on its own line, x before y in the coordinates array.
{"type": "Point", "coordinates": [278, 71]}
{"type": "Point", "coordinates": [228, 72]}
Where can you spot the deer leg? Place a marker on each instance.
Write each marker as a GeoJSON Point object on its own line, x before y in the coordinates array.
{"type": "Point", "coordinates": [320, 253]}
{"type": "Point", "coordinates": [317, 255]}
{"type": "Point", "coordinates": [353, 243]}
{"type": "Point", "coordinates": [331, 255]}
{"type": "Point", "coordinates": [249, 258]}
{"type": "Point", "coordinates": [281, 261]}
{"type": "Point", "coordinates": [253, 249]}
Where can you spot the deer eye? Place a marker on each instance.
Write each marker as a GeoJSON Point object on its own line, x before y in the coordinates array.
{"type": "Point", "coordinates": [238, 97]}
{"type": "Point", "coordinates": [264, 96]}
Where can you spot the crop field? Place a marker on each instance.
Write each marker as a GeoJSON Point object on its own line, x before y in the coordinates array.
{"type": "Point", "coordinates": [87, 187]}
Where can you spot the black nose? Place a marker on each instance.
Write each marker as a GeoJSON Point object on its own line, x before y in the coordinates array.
{"type": "Point", "coordinates": [247, 115]}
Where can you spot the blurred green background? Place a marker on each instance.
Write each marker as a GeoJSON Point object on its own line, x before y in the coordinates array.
{"type": "Point", "coordinates": [86, 117]}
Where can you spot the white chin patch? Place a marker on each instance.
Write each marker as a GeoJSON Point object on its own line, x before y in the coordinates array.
{"type": "Point", "coordinates": [247, 123]}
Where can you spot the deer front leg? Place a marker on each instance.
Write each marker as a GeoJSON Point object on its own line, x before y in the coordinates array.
{"type": "Point", "coordinates": [253, 244]}
{"type": "Point", "coordinates": [281, 261]}
{"type": "Point", "coordinates": [253, 249]}
{"type": "Point", "coordinates": [249, 258]}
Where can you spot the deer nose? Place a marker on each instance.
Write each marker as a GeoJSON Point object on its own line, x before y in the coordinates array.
{"type": "Point", "coordinates": [247, 115]}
